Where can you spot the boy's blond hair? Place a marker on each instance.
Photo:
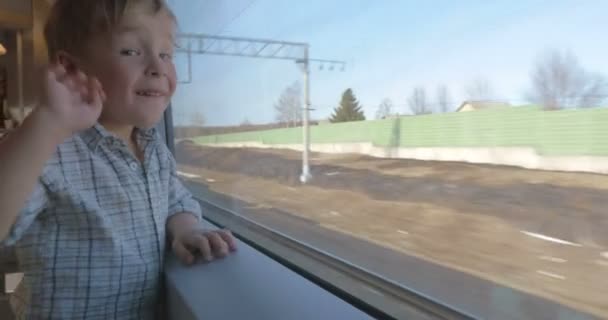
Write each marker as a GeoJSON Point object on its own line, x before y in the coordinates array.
{"type": "Point", "coordinates": [72, 22]}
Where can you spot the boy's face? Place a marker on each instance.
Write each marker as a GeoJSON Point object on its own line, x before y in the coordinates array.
{"type": "Point", "coordinates": [135, 67]}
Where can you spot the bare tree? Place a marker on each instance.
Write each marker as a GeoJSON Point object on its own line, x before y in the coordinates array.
{"type": "Point", "coordinates": [385, 109]}
{"type": "Point", "coordinates": [198, 119]}
{"type": "Point", "coordinates": [418, 102]}
{"type": "Point", "coordinates": [245, 123]}
{"type": "Point", "coordinates": [289, 107]}
{"type": "Point", "coordinates": [443, 99]}
{"type": "Point", "coordinates": [479, 90]}
{"type": "Point", "coordinates": [558, 81]}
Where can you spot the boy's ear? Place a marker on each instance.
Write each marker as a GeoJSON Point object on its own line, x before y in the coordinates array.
{"type": "Point", "coordinates": [67, 61]}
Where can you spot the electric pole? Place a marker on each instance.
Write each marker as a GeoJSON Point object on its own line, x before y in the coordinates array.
{"type": "Point", "coordinates": [264, 49]}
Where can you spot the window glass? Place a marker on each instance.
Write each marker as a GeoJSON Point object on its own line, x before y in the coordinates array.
{"type": "Point", "coordinates": [456, 147]}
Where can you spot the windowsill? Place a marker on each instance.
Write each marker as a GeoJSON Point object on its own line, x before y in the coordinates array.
{"type": "Point", "coordinates": [248, 285]}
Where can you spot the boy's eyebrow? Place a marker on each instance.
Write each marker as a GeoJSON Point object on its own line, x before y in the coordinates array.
{"type": "Point", "coordinates": [136, 28]}
{"type": "Point", "coordinates": [126, 28]}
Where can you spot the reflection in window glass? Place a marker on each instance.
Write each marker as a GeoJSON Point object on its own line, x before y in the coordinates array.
{"type": "Point", "coordinates": [456, 147]}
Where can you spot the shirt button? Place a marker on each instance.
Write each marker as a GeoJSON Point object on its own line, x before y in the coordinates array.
{"type": "Point", "coordinates": [133, 166]}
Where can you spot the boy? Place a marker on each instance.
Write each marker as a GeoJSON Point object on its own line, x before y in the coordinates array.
{"type": "Point", "coordinates": [89, 192]}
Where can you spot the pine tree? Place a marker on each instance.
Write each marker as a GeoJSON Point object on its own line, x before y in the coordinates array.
{"type": "Point", "coordinates": [348, 110]}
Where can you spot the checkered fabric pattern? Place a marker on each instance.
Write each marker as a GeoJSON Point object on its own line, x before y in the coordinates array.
{"type": "Point", "coordinates": [91, 238]}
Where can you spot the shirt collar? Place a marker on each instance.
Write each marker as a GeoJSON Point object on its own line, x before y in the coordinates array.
{"type": "Point", "coordinates": [98, 134]}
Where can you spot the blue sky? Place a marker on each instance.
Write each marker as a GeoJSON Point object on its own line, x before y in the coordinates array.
{"type": "Point", "coordinates": [390, 46]}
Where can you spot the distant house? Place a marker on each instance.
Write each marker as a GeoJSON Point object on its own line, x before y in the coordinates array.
{"type": "Point", "coordinates": [481, 105]}
{"type": "Point", "coordinates": [393, 116]}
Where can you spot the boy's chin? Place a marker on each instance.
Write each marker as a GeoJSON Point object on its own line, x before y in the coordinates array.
{"type": "Point", "coordinates": [147, 125]}
{"type": "Point", "coordinates": [148, 121]}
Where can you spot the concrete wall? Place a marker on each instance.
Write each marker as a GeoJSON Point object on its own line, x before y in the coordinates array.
{"type": "Point", "coordinates": [580, 132]}
{"type": "Point", "coordinates": [521, 157]}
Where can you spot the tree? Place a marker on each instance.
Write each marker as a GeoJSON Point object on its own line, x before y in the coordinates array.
{"type": "Point", "coordinates": [385, 109]}
{"type": "Point", "coordinates": [558, 81]}
{"type": "Point", "coordinates": [418, 102]}
{"type": "Point", "coordinates": [289, 107]}
{"type": "Point", "coordinates": [245, 123]}
{"type": "Point", "coordinates": [348, 110]}
{"type": "Point", "coordinates": [479, 90]}
{"type": "Point", "coordinates": [198, 119]}
{"type": "Point", "coordinates": [443, 99]}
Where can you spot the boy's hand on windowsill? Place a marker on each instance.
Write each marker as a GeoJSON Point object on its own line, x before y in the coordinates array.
{"type": "Point", "coordinates": [208, 244]}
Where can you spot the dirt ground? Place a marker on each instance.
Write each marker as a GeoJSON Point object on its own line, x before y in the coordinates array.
{"type": "Point", "coordinates": [541, 232]}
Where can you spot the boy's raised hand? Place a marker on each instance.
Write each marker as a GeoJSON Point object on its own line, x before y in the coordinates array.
{"type": "Point", "coordinates": [71, 101]}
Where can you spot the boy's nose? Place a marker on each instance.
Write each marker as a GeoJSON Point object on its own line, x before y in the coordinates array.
{"type": "Point", "coordinates": [153, 73]}
{"type": "Point", "coordinates": [155, 68]}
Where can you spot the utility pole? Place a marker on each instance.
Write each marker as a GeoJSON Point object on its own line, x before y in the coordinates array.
{"type": "Point", "coordinates": [305, 66]}
{"type": "Point", "coordinates": [264, 49]}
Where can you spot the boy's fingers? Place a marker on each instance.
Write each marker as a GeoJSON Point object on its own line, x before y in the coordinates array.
{"type": "Point", "coordinates": [81, 77]}
{"type": "Point", "coordinates": [94, 94]}
{"type": "Point", "coordinates": [202, 244]}
{"type": "Point", "coordinates": [85, 94]}
{"type": "Point", "coordinates": [228, 238]}
{"type": "Point", "coordinates": [218, 245]}
{"type": "Point", "coordinates": [99, 89]}
{"type": "Point", "coordinates": [98, 85]}
{"type": "Point", "coordinates": [73, 85]}
{"type": "Point", "coordinates": [59, 72]}
{"type": "Point", "coordinates": [182, 253]}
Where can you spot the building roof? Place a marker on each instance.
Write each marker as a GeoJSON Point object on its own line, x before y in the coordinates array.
{"type": "Point", "coordinates": [483, 104]}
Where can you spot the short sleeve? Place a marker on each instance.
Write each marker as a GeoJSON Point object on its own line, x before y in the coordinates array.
{"type": "Point", "coordinates": [35, 204]}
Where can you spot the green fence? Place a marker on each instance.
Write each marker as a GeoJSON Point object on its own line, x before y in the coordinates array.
{"type": "Point", "coordinates": [566, 132]}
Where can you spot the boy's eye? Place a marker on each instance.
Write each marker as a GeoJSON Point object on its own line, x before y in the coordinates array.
{"type": "Point", "coordinates": [166, 56]}
{"type": "Point", "coordinates": [129, 52]}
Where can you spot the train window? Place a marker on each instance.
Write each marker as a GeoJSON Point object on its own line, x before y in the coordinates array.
{"type": "Point", "coordinates": [456, 149]}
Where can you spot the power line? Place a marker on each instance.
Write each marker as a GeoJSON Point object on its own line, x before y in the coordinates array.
{"type": "Point", "coordinates": [226, 25]}
{"type": "Point", "coordinates": [238, 15]}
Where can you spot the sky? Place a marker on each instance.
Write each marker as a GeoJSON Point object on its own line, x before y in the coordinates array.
{"type": "Point", "coordinates": [389, 46]}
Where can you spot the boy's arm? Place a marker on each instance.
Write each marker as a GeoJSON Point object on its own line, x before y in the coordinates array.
{"type": "Point", "coordinates": [181, 221]}
{"type": "Point", "coordinates": [184, 225]}
{"type": "Point", "coordinates": [23, 154]}
{"type": "Point", "coordinates": [69, 102]}
{"type": "Point", "coordinates": [184, 210]}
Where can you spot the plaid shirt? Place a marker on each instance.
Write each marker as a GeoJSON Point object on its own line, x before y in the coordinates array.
{"type": "Point", "coordinates": [91, 238]}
